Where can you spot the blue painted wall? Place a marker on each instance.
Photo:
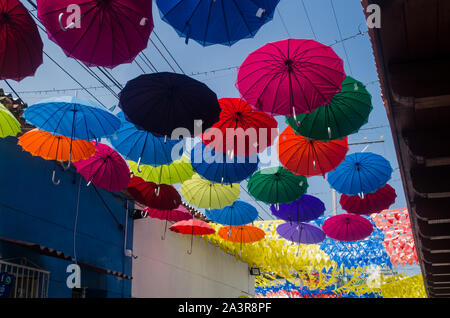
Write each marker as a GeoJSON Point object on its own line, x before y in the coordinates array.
{"type": "Point", "coordinates": [32, 209]}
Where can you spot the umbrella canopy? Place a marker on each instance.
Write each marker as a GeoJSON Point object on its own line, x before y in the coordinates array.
{"type": "Point", "coordinates": [347, 227]}
{"type": "Point", "coordinates": [241, 234]}
{"type": "Point", "coordinates": [301, 233]}
{"type": "Point", "coordinates": [20, 43]}
{"type": "Point", "coordinates": [290, 77]}
{"type": "Point", "coordinates": [239, 213]}
{"type": "Point", "coordinates": [205, 194]}
{"type": "Point", "coordinates": [305, 209]}
{"type": "Point", "coordinates": [309, 157]}
{"type": "Point", "coordinates": [241, 130]}
{"type": "Point", "coordinates": [106, 169]}
{"type": "Point", "coordinates": [143, 147]}
{"type": "Point", "coordinates": [43, 144]}
{"type": "Point", "coordinates": [343, 116]}
{"type": "Point", "coordinates": [374, 202]}
{"type": "Point", "coordinates": [9, 126]}
{"type": "Point", "coordinates": [222, 168]}
{"type": "Point", "coordinates": [177, 172]}
{"type": "Point", "coordinates": [174, 215]}
{"type": "Point", "coordinates": [102, 33]}
{"type": "Point", "coordinates": [276, 185]}
{"type": "Point", "coordinates": [163, 102]}
{"type": "Point", "coordinates": [192, 227]}
{"type": "Point", "coordinates": [360, 173]}
{"type": "Point", "coordinates": [72, 117]}
{"type": "Point", "coordinates": [217, 22]}
{"type": "Point", "coordinates": [161, 197]}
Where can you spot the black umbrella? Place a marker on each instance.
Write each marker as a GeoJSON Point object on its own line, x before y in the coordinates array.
{"type": "Point", "coordinates": [162, 102]}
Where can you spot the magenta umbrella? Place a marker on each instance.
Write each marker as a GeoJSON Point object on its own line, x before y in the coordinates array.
{"type": "Point", "coordinates": [106, 169]}
{"type": "Point", "coordinates": [347, 227]}
{"type": "Point", "coordinates": [175, 215]}
{"type": "Point", "coordinates": [98, 33]}
{"type": "Point", "coordinates": [290, 77]}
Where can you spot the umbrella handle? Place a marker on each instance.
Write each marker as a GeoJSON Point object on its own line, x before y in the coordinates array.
{"type": "Point", "coordinates": [163, 237]}
{"type": "Point", "coordinates": [69, 163]}
{"type": "Point", "coordinates": [138, 168]}
{"type": "Point", "coordinates": [192, 239]}
{"type": "Point", "coordinates": [53, 178]}
{"type": "Point", "coordinates": [70, 25]}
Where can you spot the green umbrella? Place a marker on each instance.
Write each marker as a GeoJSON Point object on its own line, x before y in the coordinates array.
{"type": "Point", "coordinates": [276, 185]}
{"type": "Point", "coordinates": [343, 116]}
{"type": "Point", "coordinates": [177, 172]}
{"type": "Point", "coordinates": [9, 126]}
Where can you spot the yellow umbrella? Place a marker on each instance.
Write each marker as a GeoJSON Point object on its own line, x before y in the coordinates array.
{"type": "Point", "coordinates": [209, 195]}
{"type": "Point", "coordinates": [9, 126]}
{"type": "Point", "coordinates": [177, 172]}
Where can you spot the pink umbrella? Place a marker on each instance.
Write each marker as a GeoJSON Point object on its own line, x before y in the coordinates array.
{"type": "Point", "coordinates": [175, 215]}
{"type": "Point", "coordinates": [347, 227]}
{"type": "Point", "coordinates": [290, 77]}
{"type": "Point", "coordinates": [106, 169]}
{"type": "Point", "coordinates": [98, 33]}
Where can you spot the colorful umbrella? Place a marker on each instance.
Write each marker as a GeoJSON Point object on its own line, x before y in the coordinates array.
{"type": "Point", "coordinates": [343, 116]}
{"type": "Point", "coordinates": [374, 202]}
{"type": "Point", "coordinates": [301, 233]}
{"type": "Point", "coordinates": [20, 43]}
{"type": "Point", "coordinates": [360, 173]}
{"type": "Point", "coordinates": [239, 213]}
{"type": "Point", "coordinates": [143, 147]}
{"type": "Point", "coordinates": [9, 126]}
{"type": "Point", "coordinates": [98, 33]}
{"type": "Point", "coordinates": [220, 167]}
{"type": "Point", "coordinates": [290, 77]}
{"type": "Point", "coordinates": [305, 209]}
{"type": "Point", "coordinates": [192, 227]}
{"type": "Point", "coordinates": [177, 172]}
{"type": "Point", "coordinates": [162, 102]}
{"type": "Point", "coordinates": [205, 194]}
{"type": "Point", "coordinates": [347, 227]}
{"type": "Point", "coordinates": [45, 145]}
{"type": "Point", "coordinates": [106, 169]}
{"type": "Point", "coordinates": [276, 185]}
{"type": "Point", "coordinates": [218, 21]}
{"type": "Point", "coordinates": [309, 157]}
{"type": "Point", "coordinates": [241, 234]}
{"type": "Point", "coordinates": [175, 215]}
{"type": "Point", "coordinates": [241, 130]}
{"type": "Point", "coordinates": [161, 197]}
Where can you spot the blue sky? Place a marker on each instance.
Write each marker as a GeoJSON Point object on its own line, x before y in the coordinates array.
{"type": "Point", "coordinates": [290, 21]}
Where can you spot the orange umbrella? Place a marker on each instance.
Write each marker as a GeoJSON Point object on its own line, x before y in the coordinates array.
{"type": "Point", "coordinates": [241, 234]}
{"type": "Point", "coordinates": [306, 157]}
{"type": "Point", "coordinates": [45, 145]}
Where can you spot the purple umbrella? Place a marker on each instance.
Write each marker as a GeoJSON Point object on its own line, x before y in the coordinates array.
{"type": "Point", "coordinates": [305, 209]}
{"type": "Point", "coordinates": [301, 233]}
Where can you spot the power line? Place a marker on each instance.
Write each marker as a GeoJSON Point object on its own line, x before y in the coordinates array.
{"type": "Point", "coordinates": [170, 54]}
{"type": "Point", "coordinates": [284, 24]}
{"type": "Point", "coordinates": [309, 20]}
{"type": "Point", "coordinates": [341, 37]}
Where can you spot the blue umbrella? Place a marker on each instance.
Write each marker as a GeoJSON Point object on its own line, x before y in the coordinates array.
{"type": "Point", "coordinates": [143, 147]}
{"type": "Point", "coordinates": [305, 209]}
{"type": "Point", "coordinates": [239, 213]}
{"type": "Point", "coordinates": [72, 117]}
{"type": "Point", "coordinates": [219, 21]}
{"type": "Point", "coordinates": [220, 167]}
{"type": "Point", "coordinates": [360, 173]}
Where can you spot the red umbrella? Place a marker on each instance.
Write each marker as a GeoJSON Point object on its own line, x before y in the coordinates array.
{"type": "Point", "coordinates": [157, 196]}
{"type": "Point", "coordinates": [175, 215]}
{"type": "Point", "coordinates": [374, 202]}
{"type": "Point", "coordinates": [239, 123]}
{"type": "Point", "coordinates": [98, 33]}
{"type": "Point", "coordinates": [309, 157]}
{"type": "Point", "coordinates": [20, 43]}
{"type": "Point", "coordinates": [106, 169]}
{"type": "Point", "coordinates": [347, 227]}
{"type": "Point", "coordinates": [290, 77]}
{"type": "Point", "coordinates": [192, 227]}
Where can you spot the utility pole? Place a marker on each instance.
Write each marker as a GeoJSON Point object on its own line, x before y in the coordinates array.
{"type": "Point", "coordinates": [367, 143]}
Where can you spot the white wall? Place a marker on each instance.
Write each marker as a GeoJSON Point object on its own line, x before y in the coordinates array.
{"type": "Point", "coordinates": [164, 269]}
